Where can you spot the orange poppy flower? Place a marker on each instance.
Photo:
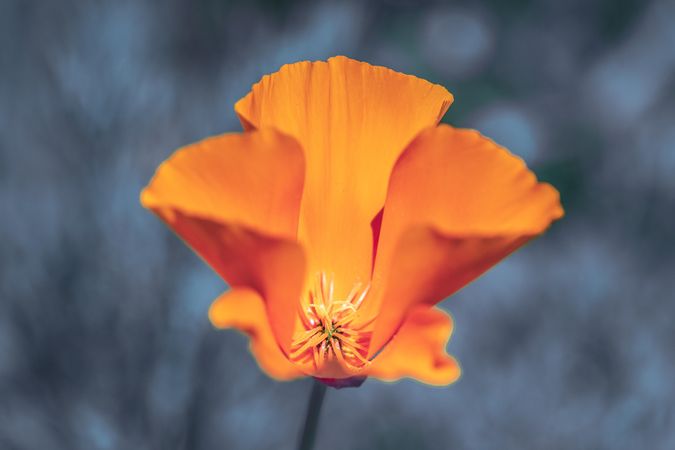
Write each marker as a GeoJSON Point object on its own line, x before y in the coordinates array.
{"type": "Point", "coordinates": [343, 214]}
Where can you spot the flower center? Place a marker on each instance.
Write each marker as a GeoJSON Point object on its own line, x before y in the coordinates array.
{"type": "Point", "coordinates": [330, 329]}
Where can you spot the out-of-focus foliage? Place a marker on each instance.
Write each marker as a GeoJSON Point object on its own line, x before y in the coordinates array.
{"type": "Point", "coordinates": [104, 337]}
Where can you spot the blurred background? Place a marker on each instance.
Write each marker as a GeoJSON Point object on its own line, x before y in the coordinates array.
{"type": "Point", "coordinates": [104, 336]}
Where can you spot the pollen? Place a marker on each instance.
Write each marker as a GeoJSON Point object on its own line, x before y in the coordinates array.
{"type": "Point", "coordinates": [333, 330]}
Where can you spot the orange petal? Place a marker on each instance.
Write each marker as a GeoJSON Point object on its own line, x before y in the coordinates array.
{"type": "Point", "coordinates": [244, 310]}
{"type": "Point", "coordinates": [252, 179]}
{"type": "Point", "coordinates": [353, 120]}
{"type": "Point", "coordinates": [418, 350]}
{"type": "Point", "coordinates": [234, 199]}
{"type": "Point", "coordinates": [457, 204]}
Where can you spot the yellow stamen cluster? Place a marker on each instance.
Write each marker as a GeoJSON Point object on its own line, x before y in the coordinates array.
{"type": "Point", "coordinates": [330, 331]}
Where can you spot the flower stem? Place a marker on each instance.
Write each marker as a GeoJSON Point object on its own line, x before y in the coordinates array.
{"type": "Point", "coordinates": [312, 419]}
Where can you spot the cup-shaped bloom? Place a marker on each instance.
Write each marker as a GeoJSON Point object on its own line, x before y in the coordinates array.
{"type": "Point", "coordinates": [343, 214]}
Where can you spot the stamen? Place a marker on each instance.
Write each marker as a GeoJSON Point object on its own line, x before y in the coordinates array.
{"type": "Point", "coordinates": [330, 332]}
{"type": "Point", "coordinates": [361, 297]}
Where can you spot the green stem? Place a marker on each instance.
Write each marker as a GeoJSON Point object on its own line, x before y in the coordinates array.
{"type": "Point", "coordinates": [312, 419]}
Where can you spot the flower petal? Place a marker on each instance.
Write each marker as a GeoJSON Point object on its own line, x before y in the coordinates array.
{"type": "Point", "coordinates": [244, 309]}
{"type": "Point", "coordinates": [418, 350]}
{"type": "Point", "coordinates": [353, 120]}
{"type": "Point", "coordinates": [227, 198]}
{"type": "Point", "coordinates": [253, 179]}
{"type": "Point", "coordinates": [457, 204]}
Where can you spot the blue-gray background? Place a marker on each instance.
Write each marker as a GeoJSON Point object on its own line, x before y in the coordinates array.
{"type": "Point", "coordinates": [104, 337]}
